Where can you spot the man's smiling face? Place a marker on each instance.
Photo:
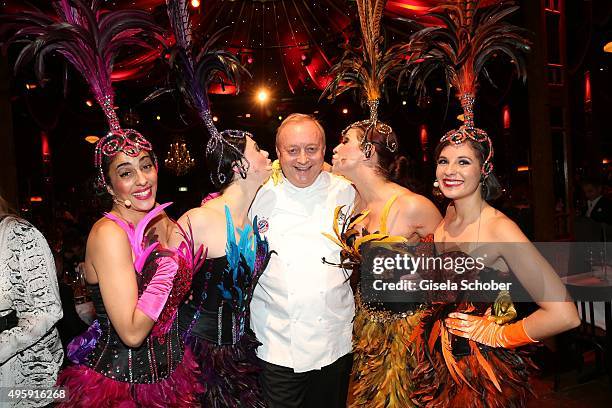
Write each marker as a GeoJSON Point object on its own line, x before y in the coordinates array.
{"type": "Point", "coordinates": [301, 151]}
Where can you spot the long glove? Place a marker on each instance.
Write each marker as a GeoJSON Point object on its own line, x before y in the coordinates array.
{"type": "Point", "coordinates": [153, 299]}
{"type": "Point", "coordinates": [482, 330]}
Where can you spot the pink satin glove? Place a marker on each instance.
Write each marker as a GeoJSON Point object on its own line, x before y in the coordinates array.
{"type": "Point", "coordinates": [153, 299]}
{"type": "Point", "coordinates": [482, 330]}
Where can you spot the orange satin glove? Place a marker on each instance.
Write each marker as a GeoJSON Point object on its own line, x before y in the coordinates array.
{"type": "Point", "coordinates": [485, 331]}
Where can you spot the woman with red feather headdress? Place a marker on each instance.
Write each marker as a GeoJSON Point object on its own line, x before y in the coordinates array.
{"type": "Point", "coordinates": [468, 352]}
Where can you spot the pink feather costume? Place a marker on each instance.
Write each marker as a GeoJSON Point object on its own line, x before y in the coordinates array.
{"type": "Point", "coordinates": [159, 373]}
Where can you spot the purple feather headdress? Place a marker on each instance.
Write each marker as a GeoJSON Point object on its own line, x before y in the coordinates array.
{"type": "Point", "coordinates": [89, 39]}
{"type": "Point", "coordinates": [197, 69]}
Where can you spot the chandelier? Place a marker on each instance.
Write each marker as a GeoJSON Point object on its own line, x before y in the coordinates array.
{"type": "Point", "coordinates": [179, 160]}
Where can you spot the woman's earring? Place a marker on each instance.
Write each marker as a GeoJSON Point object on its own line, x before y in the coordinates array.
{"type": "Point", "coordinates": [368, 149]}
{"type": "Point", "coordinates": [436, 190]}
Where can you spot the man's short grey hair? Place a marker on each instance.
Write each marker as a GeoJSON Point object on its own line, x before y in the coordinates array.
{"type": "Point", "coordinates": [300, 117]}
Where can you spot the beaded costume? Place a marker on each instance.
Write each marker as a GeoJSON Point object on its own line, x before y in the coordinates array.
{"type": "Point", "coordinates": [382, 350]}
{"type": "Point", "coordinates": [160, 372]}
{"type": "Point", "coordinates": [215, 320]}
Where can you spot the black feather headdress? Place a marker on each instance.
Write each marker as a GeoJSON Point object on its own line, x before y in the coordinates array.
{"type": "Point", "coordinates": [197, 69]}
{"type": "Point", "coordinates": [366, 68]}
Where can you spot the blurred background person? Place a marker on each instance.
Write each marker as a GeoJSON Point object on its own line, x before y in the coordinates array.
{"type": "Point", "coordinates": [30, 349]}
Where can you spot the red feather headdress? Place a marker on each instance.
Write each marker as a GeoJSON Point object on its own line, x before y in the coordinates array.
{"type": "Point", "coordinates": [461, 48]}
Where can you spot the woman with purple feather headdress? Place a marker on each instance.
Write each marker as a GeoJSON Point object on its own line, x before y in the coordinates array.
{"type": "Point", "coordinates": [215, 318]}
{"type": "Point", "coordinates": [133, 355]}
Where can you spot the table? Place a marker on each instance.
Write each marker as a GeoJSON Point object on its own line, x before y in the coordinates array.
{"type": "Point", "coordinates": [592, 292]}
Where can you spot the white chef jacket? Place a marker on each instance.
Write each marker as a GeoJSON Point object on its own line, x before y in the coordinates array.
{"type": "Point", "coordinates": [302, 309]}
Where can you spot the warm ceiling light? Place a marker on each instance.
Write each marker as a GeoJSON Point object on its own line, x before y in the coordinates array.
{"type": "Point", "coordinates": [411, 7]}
{"type": "Point", "coordinates": [92, 139]}
{"type": "Point", "coordinates": [605, 161]}
{"type": "Point", "coordinates": [404, 103]}
{"type": "Point", "coordinates": [36, 199]}
{"type": "Point", "coordinates": [89, 103]}
{"type": "Point", "coordinates": [522, 168]}
{"type": "Point", "coordinates": [262, 95]}
{"type": "Point", "coordinates": [215, 118]}
{"type": "Point", "coordinates": [248, 115]}
{"type": "Point", "coordinates": [345, 111]}
{"type": "Point", "coordinates": [195, 3]}
{"type": "Point", "coordinates": [280, 117]}
{"type": "Point", "coordinates": [31, 86]}
{"type": "Point", "coordinates": [608, 47]}
{"type": "Point", "coordinates": [158, 117]}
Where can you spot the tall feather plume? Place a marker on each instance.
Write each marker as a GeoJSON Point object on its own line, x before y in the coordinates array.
{"type": "Point", "coordinates": [467, 41]}
{"type": "Point", "coordinates": [88, 38]}
{"type": "Point", "coordinates": [197, 69]}
{"type": "Point", "coordinates": [366, 67]}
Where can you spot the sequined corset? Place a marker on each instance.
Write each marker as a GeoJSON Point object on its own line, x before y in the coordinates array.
{"type": "Point", "coordinates": [159, 354]}
{"type": "Point", "coordinates": [390, 311]}
{"type": "Point", "coordinates": [217, 321]}
{"type": "Point", "coordinates": [218, 308]}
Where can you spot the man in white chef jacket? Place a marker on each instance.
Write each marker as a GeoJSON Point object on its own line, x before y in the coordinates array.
{"type": "Point", "coordinates": [302, 309]}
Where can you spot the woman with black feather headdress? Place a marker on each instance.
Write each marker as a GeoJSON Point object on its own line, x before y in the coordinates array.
{"type": "Point", "coordinates": [468, 351]}
{"type": "Point", "coordinates": [133, 354]}
{"type": "Point", "coordinates": [214, 321]}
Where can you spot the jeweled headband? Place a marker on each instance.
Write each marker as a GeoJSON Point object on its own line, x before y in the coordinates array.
{"type": "Point", "coordinates": [468, 131]}
{"type": "Point", "coordinates": [117, 140]}
{"type": "Point", "coordinates": [373, 124]}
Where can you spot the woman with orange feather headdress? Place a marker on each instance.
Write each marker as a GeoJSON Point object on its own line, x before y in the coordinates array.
{"type": "Point", "coordinates": [466, 350]}
{"type": "Point", "coordinates": [385, 213]}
